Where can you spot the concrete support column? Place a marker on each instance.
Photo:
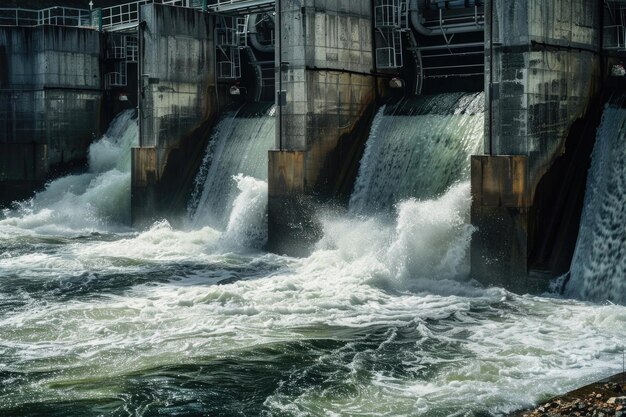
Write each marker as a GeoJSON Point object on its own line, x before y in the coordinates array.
{"type": "Point", "coordinates": [329, 89]}
{"type": "Point", "coordinates": [541, 72]}
{"type": "Point", "coordinates": [177, 104]}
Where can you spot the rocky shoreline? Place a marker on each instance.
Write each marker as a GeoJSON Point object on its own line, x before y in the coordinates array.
{"type": "Point", "coordinates": [606, 398]}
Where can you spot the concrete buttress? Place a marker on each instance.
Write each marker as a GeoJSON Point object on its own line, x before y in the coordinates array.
{"type": "Point", "coordinates": [542, 70]}
{"type": "Point", "coordinates": [329, 88]}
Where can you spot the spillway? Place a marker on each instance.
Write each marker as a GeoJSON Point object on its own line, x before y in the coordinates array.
{"type": "Point", "coordinates": [238, 146]}
{"type": "Point", "coordinates": [96, 200]}
{"type": "Point", "coordinates": [598, 270]}
{"type": "Point", "coordinates": [418, 148]}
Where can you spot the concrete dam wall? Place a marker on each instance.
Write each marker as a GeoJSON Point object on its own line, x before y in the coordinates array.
{"type": "Point", "coordinates": [50, 97]}
{"type": "Point", "coordinates": [329, 67]}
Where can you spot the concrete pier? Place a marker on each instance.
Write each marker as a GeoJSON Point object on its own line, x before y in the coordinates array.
{"type": "Point", "coordinates": [542, 70]}
{"type": "Point", "coordinates": [50, 97]}
{"type": "Point", "coordinates": [327, 77]}
{"type": "Point", "coordinates": [177, 101]}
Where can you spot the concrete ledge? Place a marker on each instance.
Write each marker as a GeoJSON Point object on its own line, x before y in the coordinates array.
{"type": "Point", "coordinates": [286, 173]}
{"type": "Point", "coordinates": [499, 249]}
{"type": "Point", "coordinates": [500, 181]}
{"type": "Point", "coordinates": [144, 166]}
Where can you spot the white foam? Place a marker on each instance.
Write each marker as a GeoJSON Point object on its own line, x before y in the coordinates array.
{"type": "Point", "coordinates": [157, 244]}
{"type": "Point", "coordinates": [238, 146]}
{"type": "Point", "coordinates": [247, 225]}
{"type": "Point", "coordinates": [98, 200]}
{"type": "Point", "coordinates": [470, 349]}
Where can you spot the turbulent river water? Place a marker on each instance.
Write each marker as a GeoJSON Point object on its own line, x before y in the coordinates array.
{"type": "Point", "coordinates": [381, 320]}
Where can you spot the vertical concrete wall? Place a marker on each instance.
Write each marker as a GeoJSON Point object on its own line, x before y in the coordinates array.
{"type": "Point", "coordinates": [50, 99]}
{"type": "Point", "coordinates": [177, 98]}
{"type": "Point", "coordinates": [329, 88]}
{"type": "Point", "coordinates": [542, 70]}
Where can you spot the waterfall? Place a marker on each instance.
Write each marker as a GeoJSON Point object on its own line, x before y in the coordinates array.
{"type": "Point", "coordinates": [238, 148]}
{"type": "Point", "coordinates": [598, 270]}
{"type": "Point", "coordinates": [418, 148]}
{"type": "Point", "coordinates": [97, 200]}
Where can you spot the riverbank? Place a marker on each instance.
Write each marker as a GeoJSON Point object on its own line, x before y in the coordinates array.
{"type": "Point", "coordinates": [605, 398]}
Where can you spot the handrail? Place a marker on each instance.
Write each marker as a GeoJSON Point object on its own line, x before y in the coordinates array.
{"type": "Point", "coordinates": [121, 14]}
{"type": "Point", "coordinates": [56, 16]}
{"type": "Point", "coordinates": [128, 13]}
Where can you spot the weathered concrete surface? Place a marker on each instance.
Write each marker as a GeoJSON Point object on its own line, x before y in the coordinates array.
{"type": "Point", "coordinates": [500, 208]}
{"type": "Point", "coordinates": [543, 60]}
{"type": "Point", "coordinates": [288, 198]}
{"type": "Point", "coordinates": [329, 91]}
{"type": "Point", "coordinates": [50, 101]}
{"type": "Point", "coordinates": [177, 105]}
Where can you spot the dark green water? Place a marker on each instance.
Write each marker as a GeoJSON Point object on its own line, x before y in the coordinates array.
{"type": "Point", "coordinates": [99, 320]}
{"type": "Point", "coordinates": [167, 323]}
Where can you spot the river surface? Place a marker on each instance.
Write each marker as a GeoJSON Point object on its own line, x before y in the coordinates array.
{"type": "Point", "coordinates": [169, 322]}
{"type": "Point", "coordinates": [97, 319]}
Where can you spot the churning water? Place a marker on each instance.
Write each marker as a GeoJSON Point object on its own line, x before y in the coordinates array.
{"type": "Point", "coordinates": [399, 160]}
{"type": "Point", "coordinates": [98, 200]}
{"type": "Point", "coordinates": [379, 321]}
{"type": "Point", "coordinates": [239, 146]}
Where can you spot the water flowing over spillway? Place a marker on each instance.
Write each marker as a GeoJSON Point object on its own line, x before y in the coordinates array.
{"type": "Point", "coordinates": [379, 321]}
{"type": "Point", "coordinates": [239, 146]}
{"type": "Point", "coordinates": [599, 265]}
{"type": "Point", "coordinates": [96, 200]}
{"type": "Point", "coordinates": [418, 148]}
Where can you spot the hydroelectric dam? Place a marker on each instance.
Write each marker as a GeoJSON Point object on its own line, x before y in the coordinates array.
{"type": "Point", "coordinates": [309, 207]}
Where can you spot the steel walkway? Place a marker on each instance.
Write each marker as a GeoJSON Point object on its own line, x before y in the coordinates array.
{"type": "Point", "coordinates": [123, 16]}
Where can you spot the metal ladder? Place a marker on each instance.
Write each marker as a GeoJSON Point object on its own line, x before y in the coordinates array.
{"type": "Point", "coordinates": [390, 21]}
{"type": "Point", "coordinates": [229, 40]}
{"type": "Point", "coordinates": [123, 53]}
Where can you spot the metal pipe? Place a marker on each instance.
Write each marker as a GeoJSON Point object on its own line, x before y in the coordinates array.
{"type": "Point", "coordinates": [254, 37]}
{"type": "Point", "coordinates": [451, 46]}
{"type": "Point", "coordinates": [416, 21]}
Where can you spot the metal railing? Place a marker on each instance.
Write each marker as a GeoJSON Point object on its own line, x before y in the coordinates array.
{"type": "Point", "coordinates": [57, 16]}
{"type": "Point", "coordinates": [387, 14]}
{"type": "Point", "coordinates": [228, 63]}
{"type": "Point", "coordinates": [115, 79]}
{"type": "Point", "coordinates": [124, 47]}
{"type": "Point", "coordinates": [128, 13]}
{"type": "Point", "coordinates": [240, 6]}
{"type": "Point", "coordinates": [119, 15]}
{"type": "Point", "coordinates": [390, 55]}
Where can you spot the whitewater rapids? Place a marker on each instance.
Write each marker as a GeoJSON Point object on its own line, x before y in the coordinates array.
{"type": "Point", "coordinates": [381, 320]}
